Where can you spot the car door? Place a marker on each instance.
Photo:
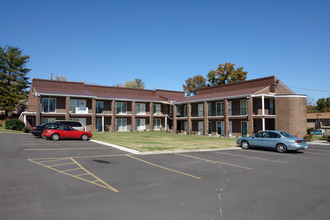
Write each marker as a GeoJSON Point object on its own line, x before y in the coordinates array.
{"type": "Point", "coordinates": [271, 139]}
{"type": "Point", "coordinates": [69, 132]}
{"type": "Point", "coordinates": [258, 139]}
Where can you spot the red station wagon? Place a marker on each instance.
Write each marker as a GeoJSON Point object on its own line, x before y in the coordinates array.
{"type": "Point", "coordinates": [66, 132]}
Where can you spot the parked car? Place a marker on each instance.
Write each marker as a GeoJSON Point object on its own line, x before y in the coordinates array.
{"type": "Point", "coordinates": [317, 132]}
{"type": "Point", "coordinates": [74, 124]}
{"type": "Point", "coordinates": [326, 134]}
{"type": "Point", "coordinates": [66, 132]}
{"type": "Point", "coordinates": [37, 130]}
{"type": "Point", "coordinates": [279, 140]}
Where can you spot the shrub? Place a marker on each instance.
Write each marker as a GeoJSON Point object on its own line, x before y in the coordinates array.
{"type": "Point", "coordinates": [25, 130]}
{"type": "Point", "coordinates": [14, 124]}
{"type": "Point", "coordinates": [308, 138]}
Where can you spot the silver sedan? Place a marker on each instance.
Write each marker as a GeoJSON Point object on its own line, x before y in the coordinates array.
{"type": "Point", "coordinates": [279, 140]}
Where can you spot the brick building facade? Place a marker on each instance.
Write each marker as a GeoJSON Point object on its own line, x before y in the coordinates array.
{"type": "Point", "coordinates": [236, 109]}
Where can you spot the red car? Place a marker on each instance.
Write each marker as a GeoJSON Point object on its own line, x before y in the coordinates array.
{"type": "Point", "coordinates": [66, 132]}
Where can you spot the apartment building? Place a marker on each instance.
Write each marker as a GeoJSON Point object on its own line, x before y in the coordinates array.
{"type": "Point", "coordinates": [236, 109]}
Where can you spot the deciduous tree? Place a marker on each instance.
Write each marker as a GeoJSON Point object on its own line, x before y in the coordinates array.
{"type": "Point", "coordinates": [225, 74]}
{"type": "Point", "coordinates": [193, 84]}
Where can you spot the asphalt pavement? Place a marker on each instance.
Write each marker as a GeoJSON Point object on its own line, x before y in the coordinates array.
{"type": "Point", "coordinates": [71, 179]}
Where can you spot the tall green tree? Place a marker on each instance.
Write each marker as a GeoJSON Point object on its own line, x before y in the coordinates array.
{"type": "Point", "coordinates": [193, 84]}
{"type": "Point", "coordinates": [225, 74]}
{"type": "Point", "coordinates": [13, 78]}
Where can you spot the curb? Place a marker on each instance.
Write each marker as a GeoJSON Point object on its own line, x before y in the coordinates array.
{"type": "Point", "coordinates": [160, 152]}
{"type": "Point", "coordinates": [117, 147]}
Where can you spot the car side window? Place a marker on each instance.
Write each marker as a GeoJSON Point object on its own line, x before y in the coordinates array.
{"type": "Point", "coordinates": [261, 134]}
{"type": "Point", "coordinates": [273, 135]}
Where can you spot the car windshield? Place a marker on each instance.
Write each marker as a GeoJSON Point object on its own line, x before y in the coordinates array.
{"type": "Point", "coordinates": [287, 134]}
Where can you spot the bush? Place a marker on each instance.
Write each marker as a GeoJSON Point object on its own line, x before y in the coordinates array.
{"type": "Point", "coordinates": [14, 124]}
{"type": "Point", "coordinates": [25, 130]}
{"type": "Point", "coordinates": [308, 138]}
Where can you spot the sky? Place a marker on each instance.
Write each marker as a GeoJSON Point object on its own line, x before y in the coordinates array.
{"type": "Point", "coordinates": [163, 42]}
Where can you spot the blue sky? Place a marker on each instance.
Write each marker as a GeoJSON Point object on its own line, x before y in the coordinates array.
{"type": "Point", "coordinates": [165, 42]}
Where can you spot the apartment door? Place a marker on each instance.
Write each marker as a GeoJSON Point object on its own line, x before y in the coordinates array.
{"type": "Point", "coordinates": [220, 128]}
{"type": "Point", "coordinates": [200, 110]}
{"type": "Point", "coordinates": [99, 124]}
{"type": "Point", "coordinates": [140, 124]}
{"type": "Point", "coordinates": [244, 129]}
{"type": "Point", "coordinates": [200, 127]}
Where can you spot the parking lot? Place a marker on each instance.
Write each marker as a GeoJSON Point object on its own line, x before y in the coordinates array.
{"type": "Point", "coordinates": [42, 179]}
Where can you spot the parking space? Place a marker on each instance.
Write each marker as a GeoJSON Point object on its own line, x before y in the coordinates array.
{"type": "Point", "coordinates": [199, 185]}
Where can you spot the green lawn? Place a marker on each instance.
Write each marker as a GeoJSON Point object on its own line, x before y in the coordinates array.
{"type": "Point", "coordinates": [318, 138]}
{"type": "Point", "coordinates": [159, 141]}
{"type": "Point", "coordinates": [2, 129]}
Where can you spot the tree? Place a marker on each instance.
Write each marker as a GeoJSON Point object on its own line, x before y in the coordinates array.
{"type": "Point", "coordinates": [135, 84]}
{"type": "Point", "coordinates": [193, 84]}
{"type": "Point", "coordinates": [225, 74]}
{"type": "Point", "coordinates": [13, 78]}
{"type": "Point", "coordinates": [60, 78]}
{"type": "Point", "coordinates": [323, 104]}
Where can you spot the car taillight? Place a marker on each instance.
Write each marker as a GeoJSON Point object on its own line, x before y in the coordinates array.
{"type": "Point", "coordinates": [298, 142]}
{"type": "Point", "coordinates": [34, 128]}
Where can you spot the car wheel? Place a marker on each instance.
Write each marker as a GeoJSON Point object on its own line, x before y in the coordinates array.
{"type": "Point", "coordinates": [55, 137]}
{"type": "Point", "coordinates": [281, 148]}
{"type": "Point", "coordinates": [84, 137]}
{"type": "Point", "coordinates": [245, 145]}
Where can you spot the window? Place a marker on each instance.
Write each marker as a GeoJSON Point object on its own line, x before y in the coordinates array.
{"type": "Point", "coordinates": [121, 107]}
{"type": "Point", "coordinates": [99, 106]}
{"type": "Point", "coordinates": [157, 109]}
{"type": "Point", "coordinates": [178, 110]}
{"type": "Point", "coordinates": [219, 109]}
{"type": "Point", "coordinates": [48, 104]}
{"type": "Point", "coordinates": [74, 103]}
{"type": "Point", "coordinates": [271, 107]}
{"type": "Point", "coordinates": [200, 110]}
{"type": "Point", "coordinates": [244, 129]}
{"type": "Point", "coordinates": [210, 109]}
{"type": "Point", "coordinates": [140, 124]}
{"type": "Point", "coordinates": [229, 108]}
{"type": "Point", "coordinates": [157, 124]}
{"type": "Point", "coordinates": [121, 124]}
{"type": "Point", "coordinates": [140, 108]}
{"type": "Point", "coordinates": [221, 128]}
{"type": "Point", "coordinates": [244, 107]}
{"type": "Point", "coordinates": [185, 111]}
{"type": "Point", "coordinates": [273, 135]}
{"type": "Point", "coordinates": [261, 134]}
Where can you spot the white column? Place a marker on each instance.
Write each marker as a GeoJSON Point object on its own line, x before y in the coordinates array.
{"type": "Point", "coordinates": [165, 123]}
{"type": "Point", "coordinates": [102, 123]}
{"type": "Point", "coordinates": [24, 118]}
{"type": "Point", "coordinates": [263, 124]}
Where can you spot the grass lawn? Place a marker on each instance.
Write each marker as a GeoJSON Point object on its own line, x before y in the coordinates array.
{"type": "Point", "coordinates": [318, 138]}
{"type": "Point", "coordinates": [159, 141]}
{"type": "Point", "coordinates": [2, 129]}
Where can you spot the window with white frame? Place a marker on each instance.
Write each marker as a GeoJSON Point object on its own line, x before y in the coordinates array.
{"type": "Point", "coordinates": [121, 124]}
{"type": "Point", "coordinates": [121, 107]}
{"type": "Point", "coordinates": [140, 108]}
{"type": "Point", "coordinates": [157, 109]}
{"type": "Point", "coordinates": [74, 103]}
{"type": "Point", "coordinates": [48, 104]}
{"type": "Point", "coordinates": [178, 110]}
{"type": "Point", "coordinates": [271, 107]}
{"type": "Point", "coordinates": [210, 109]}
{"type": "Point", "coordinates": [230, 111]}
{"type": "Point", "coordinates": [99, 106]}
{"type": "Point", "coordinates": [244, 107]}
{"type": "Point", "coordinates": [219, 109]}
{"type": "Point", "coordinates": [140, 124]}
{"type": "Point", "coordinates": [185, 110]}
{"type": "Point", "coordinates": [157, 124]}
